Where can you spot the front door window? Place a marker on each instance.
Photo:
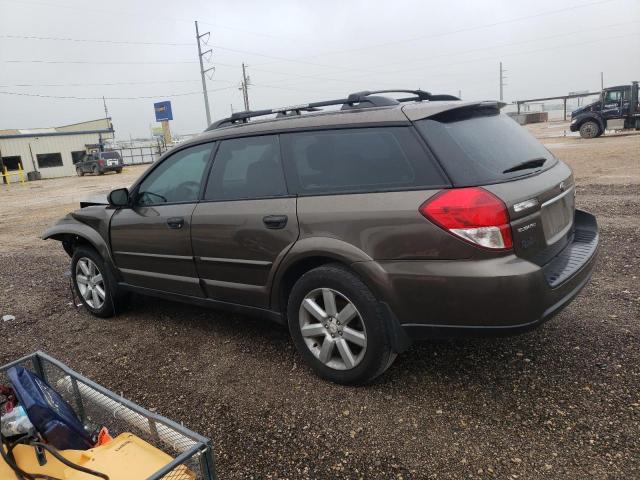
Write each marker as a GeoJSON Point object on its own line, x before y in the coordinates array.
{"type": "Point", "coordinates": [177, 179]}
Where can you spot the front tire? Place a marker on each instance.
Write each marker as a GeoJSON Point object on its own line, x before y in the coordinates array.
{"type": "Point", "coordinates": [79, 172]}
{"type": "Point", "coordinates": [338, 326]}
{"type": "Point", "coordinates": [589, 129]}
{"type": "Point", "coordinates": [93, 283]}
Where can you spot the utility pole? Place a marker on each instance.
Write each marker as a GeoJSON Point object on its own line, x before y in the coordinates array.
{"type": "Point", "coordinates": [502, 84]}
{"type": "Point", "coordinates": [245, 87]}
{"type": "Point", "coordinates": [106, 116]}
{"type": "Point", "coordinates": [203, 71]}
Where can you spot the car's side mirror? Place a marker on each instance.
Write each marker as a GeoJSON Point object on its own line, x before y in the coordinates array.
{"type": "Point", "coordinates": [119, 197]}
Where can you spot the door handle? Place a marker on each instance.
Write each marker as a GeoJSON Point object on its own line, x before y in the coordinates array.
{"type": "Point", "coordinates": [275, 222]}
{"type": "Point", "coordinates": [175, 222]}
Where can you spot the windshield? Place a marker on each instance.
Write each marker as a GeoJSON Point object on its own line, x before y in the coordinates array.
{"type": "Point", "coordinates": [478, 146]}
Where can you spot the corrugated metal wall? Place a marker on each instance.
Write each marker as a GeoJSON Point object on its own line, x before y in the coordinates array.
{"type": "Point", "coordinates": [63, 144]}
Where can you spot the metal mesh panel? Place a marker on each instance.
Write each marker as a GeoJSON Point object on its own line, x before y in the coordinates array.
{"type": "Point", "coordinates": [190, 454]}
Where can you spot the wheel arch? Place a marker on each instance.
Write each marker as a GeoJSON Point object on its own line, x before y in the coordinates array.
{"type": "Point", "coordinates": [305, 255]}
{"type": "Point", "coordinates": [72, 233]}
{"type": "Point", "coordinates": [590, 116]}
{"type": "Point", "coordinates": [312, 253]}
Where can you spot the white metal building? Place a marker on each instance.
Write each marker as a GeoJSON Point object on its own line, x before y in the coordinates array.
{"type": "Point", "coordinates": [52, 151]}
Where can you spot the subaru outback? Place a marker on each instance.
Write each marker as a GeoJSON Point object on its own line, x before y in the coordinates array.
{"type": "Point", "coordinates": [363, 228]}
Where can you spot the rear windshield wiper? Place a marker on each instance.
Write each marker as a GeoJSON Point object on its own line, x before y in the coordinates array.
{"type": "Point", "coordinates": [533, 163]}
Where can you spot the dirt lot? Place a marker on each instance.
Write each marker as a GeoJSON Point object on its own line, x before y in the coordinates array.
{"type": "Point", "coordinates": [560, 402]}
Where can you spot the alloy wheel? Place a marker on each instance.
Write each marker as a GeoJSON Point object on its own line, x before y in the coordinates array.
{"type": "Point", "coordinates": [332, 329]}
{"type": "Point", "coordinates": [90, 283]}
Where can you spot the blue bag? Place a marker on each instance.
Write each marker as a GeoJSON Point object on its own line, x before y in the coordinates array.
{"type": "Point", "coordinates": [49, 413]}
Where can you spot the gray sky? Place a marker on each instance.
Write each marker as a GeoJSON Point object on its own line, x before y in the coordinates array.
{"type": "Point", "coordinates": [299, 51]}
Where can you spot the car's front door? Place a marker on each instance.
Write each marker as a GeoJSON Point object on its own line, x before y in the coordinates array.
{"type": "Point", "coordinates": [245, 223]}
{"type": "Point", "coordinates": [612, 103]}
{"type": "Point", "coordinates": [151, 241]}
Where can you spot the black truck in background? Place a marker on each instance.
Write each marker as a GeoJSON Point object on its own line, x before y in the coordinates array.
{"type": "Point", "coordinates": [616, 109]}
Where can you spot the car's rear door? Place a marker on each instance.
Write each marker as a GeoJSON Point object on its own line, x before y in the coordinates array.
{"type": "Point", "coordinates": [245, 223]}
{"type": "Point", "coordinates": [151, 241]}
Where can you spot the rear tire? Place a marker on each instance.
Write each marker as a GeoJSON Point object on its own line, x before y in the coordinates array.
{"type": "Point", "coordinates": [345, 337]}
{"type": "Point", "coordinates": [94, 283]}
{"type": "Point", "coordinates": [590, 129]}
{"type": "Point", "coordinates": [119, 170]}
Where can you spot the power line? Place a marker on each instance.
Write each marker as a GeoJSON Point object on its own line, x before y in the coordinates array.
{"type": "Point", "coordinates": [21, 94]}
{"type": "Point", "coordinates": [128, 42]}
{"type": "Point", "coordinates": [345, 80]}
{"type": "Point", "coordinates": [90, 62]}
{"type": "Point", "coordinates": [111, 84]}
{"type": "Point", "coordinates": [334, 67]}
{"type": "Point", "coordinates": [146, 16]}
{"type": "Point", "coordinates": [481, 59]}
{"type": "Point", "coordinates": [301, 60]}
{"type": "Point", "coordinates": [299, 75]}
{"type": "Point", "coordinates": [87, 40]}
{"type": "Point", "coordinates": [461, 30]}
{"type": "Point", "coordinates": [502, 45]}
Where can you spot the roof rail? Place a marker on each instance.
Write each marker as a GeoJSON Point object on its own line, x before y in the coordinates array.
{"type": "Point", "coordinates": [364, 99]}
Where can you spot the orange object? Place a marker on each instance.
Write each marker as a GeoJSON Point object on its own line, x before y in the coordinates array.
{"type": "Point", "coordinates": [103, 437]}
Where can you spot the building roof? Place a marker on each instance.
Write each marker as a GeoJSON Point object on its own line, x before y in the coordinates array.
{"type": "Point", "coordinates": [101, 125]}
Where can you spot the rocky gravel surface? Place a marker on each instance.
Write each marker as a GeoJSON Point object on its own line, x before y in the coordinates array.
{"type": "Point", "coordinates": [562, 401]}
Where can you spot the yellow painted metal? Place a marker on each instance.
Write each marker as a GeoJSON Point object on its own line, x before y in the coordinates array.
{"type": "Point", "coordinates": [126, 457]}
{"type": "Point", "coordinates": [6, 174]}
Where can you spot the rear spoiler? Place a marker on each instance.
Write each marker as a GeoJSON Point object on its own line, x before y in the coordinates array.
{"type": "Point", "coordinates": [418, 111]}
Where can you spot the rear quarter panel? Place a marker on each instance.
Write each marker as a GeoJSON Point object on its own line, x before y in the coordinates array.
{"type": "Point", "coordinates": [384, 225]}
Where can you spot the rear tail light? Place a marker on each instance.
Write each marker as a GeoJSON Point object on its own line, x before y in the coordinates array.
{"type": "Point", "coordinates": [101, 163]}
{"type": "Point", "coordinates": [473, 214]}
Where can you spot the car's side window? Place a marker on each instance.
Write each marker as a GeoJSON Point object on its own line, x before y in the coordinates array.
{"type": "Point", "coordinates": [246, 168]}
{"type": "Point", "coordinates": [359, 160]}
{"type": "Point", "coordinates": [177, 178]}
{"type": "Point", "coordinates": [613, 96]}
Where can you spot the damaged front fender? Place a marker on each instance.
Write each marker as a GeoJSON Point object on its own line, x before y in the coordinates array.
{"type": "Point", "coordinates": [89, 225]}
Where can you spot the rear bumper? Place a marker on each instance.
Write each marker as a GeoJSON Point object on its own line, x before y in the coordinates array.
{"type": "Point", "coordinates": [499, 296]}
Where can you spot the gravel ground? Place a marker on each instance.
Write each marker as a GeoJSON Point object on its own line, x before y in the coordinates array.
{"type": "Point", "coordinates": [559, 402]}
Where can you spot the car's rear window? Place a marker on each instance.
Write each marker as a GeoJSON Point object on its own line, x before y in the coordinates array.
{"type": "Point", "coordinates": [359, 160]}
{"type": "Point", "coordinates": [476, 145]}
{"type": "Point", "coordinates": [109, 155]}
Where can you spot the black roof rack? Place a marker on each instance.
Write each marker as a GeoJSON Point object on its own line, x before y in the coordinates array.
{"type": "Point", "coordinates": [364, 99]}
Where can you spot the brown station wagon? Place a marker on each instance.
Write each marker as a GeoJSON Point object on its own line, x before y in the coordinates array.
{"type": "Point", "coordinates": [362, 228]}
